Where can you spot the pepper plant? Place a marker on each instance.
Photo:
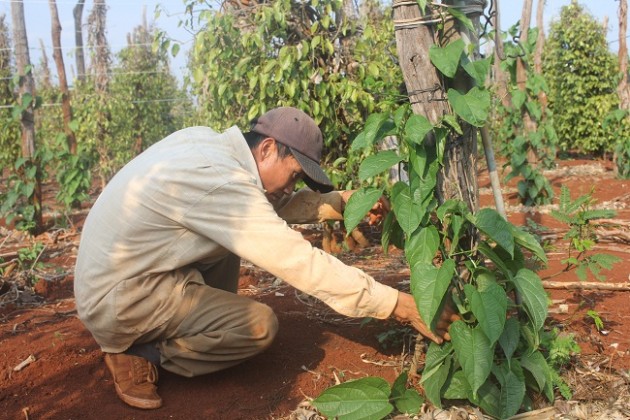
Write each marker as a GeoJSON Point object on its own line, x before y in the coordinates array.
{"type": "Point", "coordinates": [519, 144]}
{"type": "Point", "coordinates": [309, 55]}
{"type": "Point", "coordinates": [495, 355]}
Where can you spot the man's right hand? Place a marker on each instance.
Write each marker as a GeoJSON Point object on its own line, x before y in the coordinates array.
{"type": "Point", "coordinates": [406, 311]}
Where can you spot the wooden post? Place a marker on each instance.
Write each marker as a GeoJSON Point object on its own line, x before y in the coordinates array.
{"type": "Point", "coordinates": [61, 73]}
{"type": "Point", "coordinates": [26, 87]}
{"type": "Point", "coordinates": [77, 12]}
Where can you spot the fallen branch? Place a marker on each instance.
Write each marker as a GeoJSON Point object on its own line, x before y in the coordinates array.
{"type": "Point", "coordinates": [584, 285]}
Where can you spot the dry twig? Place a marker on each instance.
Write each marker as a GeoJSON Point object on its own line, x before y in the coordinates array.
{"type": "Point", "coordinates": [585, 285]}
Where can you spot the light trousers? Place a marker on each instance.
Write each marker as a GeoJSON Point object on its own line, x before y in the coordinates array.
{"type": "Point", "coordinates": [214, 328]}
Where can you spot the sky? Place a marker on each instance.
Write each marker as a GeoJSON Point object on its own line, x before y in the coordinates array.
{"type": "Point", "coordinates": [124, 15]}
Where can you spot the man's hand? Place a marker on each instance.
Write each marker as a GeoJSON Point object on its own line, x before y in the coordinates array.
{"type": "Point", "coordinates": [407, 311]}
{"type": "Point", "coordinates": [376, 214]}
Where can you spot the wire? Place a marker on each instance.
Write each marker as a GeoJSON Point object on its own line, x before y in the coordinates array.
{"type": "Point", "coordinates": [78, 48]}
{"type": "Point", "coordinates": [95, 3]}
{"type": "Point", "coordinates": [115, 73]}
{"type": "Point", "coordinates": [92, 96]}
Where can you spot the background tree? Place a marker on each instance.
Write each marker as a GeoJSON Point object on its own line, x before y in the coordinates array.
{"type": "Point", "coordinates": [94, 113]}
{"type": "Point", "coordinates": [298, 54]}
{"type": "Point", "coordinates": [9, 127]}
{"type": "Point", "coordinates": [583, 76]}
{"type": "Point", "coordinates": [523, 124]}
{"type": "Point", "coordinates": [144, 96]}
{"type": "Point", "coordinates": [538, 52]}
{"type": "Point", "coordinates": [29, 174]}
{"type": "Point", "coordinates": [42, 79]}
{"type": "Point", "coordinates": [61, 74]}
{"type": "Point", "coordinates": [623, 89]}
{"type": "Point", "coordinates": [77, 12]}
{"type": "Point", "coordinates": [529, 125]}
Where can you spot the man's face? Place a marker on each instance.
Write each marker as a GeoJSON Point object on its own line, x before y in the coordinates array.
{"type": "Point", "coordinates": [278, 175]}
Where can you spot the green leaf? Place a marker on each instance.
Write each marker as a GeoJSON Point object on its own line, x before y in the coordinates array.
{"type": "Point", "coordinates": [488, 399]}
{"type": "Point", "coordinates": [422, 245]}
{"type": "Point", "coordinates": [434, 381]}
{"type": "Point", "coordinates": [489, 307]}
{"type": "Point", "coordinates": [376, 126]}
{"type": "Point", "coordinates": [391, 233]}
{"type": "Point", "coordinates": [460, 16]}
{"type": "Point", "coordinates": [365, 398]}
{"type": "Point", "coordinates": [451, 121]}
{"type": "Point", "coordinates": [375, 164]}
{"type": "Point", "coordinates": [534, 296]}
{"type": "Point", "coordinates": [478, 70]}
{"type": "Point", "coordinates": [512, 381]}
{"type": "Point", "coordinates": [360, 142]}
{"type": "Point", "coordinates": [527, 241]}
{"type": "Point", "coordinates": [407, 401]}
{"type": "Point", "coordinates": [531, 336]}
{"type": "Point", "coordinates": [474, 352]}
{"type": "Point", "coordinates": [457, 387]}
{"type": "Point", "coordinates": [447, 59]}
{"type": "Point", "coordinates": [536, 364]}
{"type": "Point", "coordinates": [437, 365]}
{"type": "Point", "coordinates": [410, 403]}
{"type": "Point", "coordinates": [429, 285]}
{"type": "Point", "coordinates": [27, 99]}
{"type": "Point", "coordinates": [416, 129]}
{"type": "Point", "coordinates": [510, 337]}
{"type": "Point", "coordinates": [518, 98]}
{"type": "Point", "coordinates": [316, 41]}
{"type": "Point", "coordinates": [605, 260]}
{"type": "Point", "coordinates": [472, 107]}
{"type": "Point", "coordinates": [452, 206]}
{"type": "Point", "coordinates": [490, 253]}
{"type": "Point", "coordinates": [436, 355]}
{"type": "Point", "coordinates": [399, 386]}
{"type": "Point", "coordinates": [175, 49]}
{"type": "Point", "coordinates": [358, 206]}
{"type": "Point", "coordinates": [407, 211]}
{"type": "Point", "coordinates": [491, 223]}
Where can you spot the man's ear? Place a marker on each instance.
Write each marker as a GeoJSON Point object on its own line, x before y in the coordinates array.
{"type": "Point", "coordinates": [267, 148]}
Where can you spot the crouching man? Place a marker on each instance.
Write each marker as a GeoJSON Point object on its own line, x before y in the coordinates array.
{"type": "Point", "coordinates": [158, 264]}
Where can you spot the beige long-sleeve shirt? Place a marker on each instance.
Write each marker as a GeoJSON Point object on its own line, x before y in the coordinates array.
{"type": "Point", "coordinates": [194, 197]}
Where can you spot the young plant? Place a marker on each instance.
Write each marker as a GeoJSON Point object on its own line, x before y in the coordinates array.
{"type": "Point", "coordinates": [561, 348]}
{"type": "Point", "coordinates": [580, 217]}
{"type": "Point", "coordinates": [597, 320]}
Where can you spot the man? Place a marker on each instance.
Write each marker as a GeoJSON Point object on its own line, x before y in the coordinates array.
{"type": "Point", "coordinates": [158, 264]}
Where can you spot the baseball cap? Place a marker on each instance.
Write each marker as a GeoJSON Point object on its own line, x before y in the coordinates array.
{"type": "Point", "coordinates": [296, 130]}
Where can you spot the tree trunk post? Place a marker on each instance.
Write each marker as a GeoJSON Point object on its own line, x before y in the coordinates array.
{"type": "Point", "coordinates": [457, 178]}
{"type": "Point", "coordinates": [623, 89]}
{"type": "Point", "coordinates": [26, 87]}
{"type": "Point", "coordinates": [77, 12]}
{"type": "Point", "coordinates": [61, 73]}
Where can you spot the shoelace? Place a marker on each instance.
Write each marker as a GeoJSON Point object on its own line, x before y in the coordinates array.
{"type": "Point", "coordinates": [143, 371]}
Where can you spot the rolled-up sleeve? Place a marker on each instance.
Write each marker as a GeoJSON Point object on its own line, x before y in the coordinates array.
{"type": "Point", "coordinates": [307, 206]}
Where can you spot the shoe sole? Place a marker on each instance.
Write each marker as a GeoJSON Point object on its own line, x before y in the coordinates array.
{"type": "Point", "coordinates": [134, 402]}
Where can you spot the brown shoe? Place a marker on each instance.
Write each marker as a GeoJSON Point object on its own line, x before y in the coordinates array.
{"type": "Point", "coordinates": [135, 379]}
